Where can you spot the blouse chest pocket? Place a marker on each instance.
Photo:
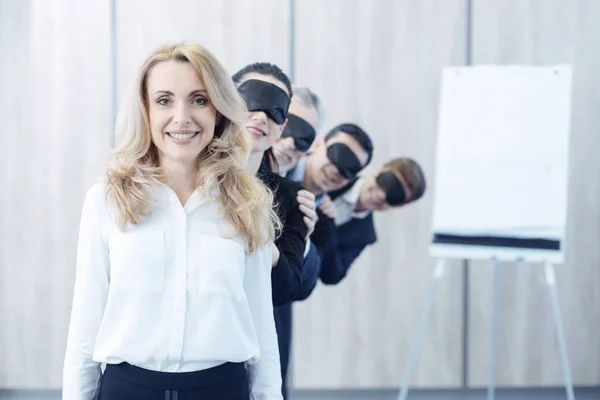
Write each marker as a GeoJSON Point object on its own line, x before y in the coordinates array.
{"type": "Point", "coordinates": [218, 265]}
{"type": "Point", "coordinates": [137, 262]}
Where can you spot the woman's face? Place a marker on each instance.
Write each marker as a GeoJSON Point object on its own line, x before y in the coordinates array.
{"type": "Point", "coordinates": [261, 129]}
{"type": "Point", "coordinates": [182, 117]}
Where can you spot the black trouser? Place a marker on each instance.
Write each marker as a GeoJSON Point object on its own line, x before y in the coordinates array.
{"type": "Point", "coordinates": [126, 382]}
{"type": "Point", "coordinates": [283, 324]}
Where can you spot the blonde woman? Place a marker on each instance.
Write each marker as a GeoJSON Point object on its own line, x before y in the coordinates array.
{"type": "Point", "coordinates": [173, 288]}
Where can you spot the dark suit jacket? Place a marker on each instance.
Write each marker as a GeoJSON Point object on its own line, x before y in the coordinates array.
{"type": "Point", "coordinates": [286, 277]}
{"type": "Point", "coordinates": [311, 268]}
{"type": "Point", "coordinates": [352, 237]}
{"type": "Point", "coordinates": [325, 239]}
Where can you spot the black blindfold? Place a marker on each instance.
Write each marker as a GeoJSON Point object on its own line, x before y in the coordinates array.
{"type": "Point", "coordinates": [301, 131]}
{"type": "Point", "coordinates": [344, 160]}
{"type": "Point", "coordinates": [266, 97]}
{"type": "Point", "coordinates": [390, 184]}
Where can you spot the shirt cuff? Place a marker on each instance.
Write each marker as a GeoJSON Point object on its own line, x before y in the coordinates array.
{"type": "Point", "coordinates": [306, 248]}
{"type": "Point", "coordinates": [360, 215]}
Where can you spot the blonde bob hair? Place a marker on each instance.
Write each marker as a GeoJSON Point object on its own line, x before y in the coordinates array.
{"type": "Point", "coordinates": [247, 203]}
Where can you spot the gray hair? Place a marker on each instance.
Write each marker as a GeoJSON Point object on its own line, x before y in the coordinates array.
{"type": "Point", "coordinates": [310, 99]}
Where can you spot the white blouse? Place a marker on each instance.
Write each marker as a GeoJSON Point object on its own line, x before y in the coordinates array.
{"type": "Point", "coordinates": [175, 293]}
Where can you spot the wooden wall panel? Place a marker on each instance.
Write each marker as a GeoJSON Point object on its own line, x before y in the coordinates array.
{"type": "Point", "coordinates": [57, 123]}
{"type": "Point", "coordinates": [378, 63]}
{"type": "Point", "coordinates": [237, 32]}
{"type": "Point", "coordinates": [539, 33]}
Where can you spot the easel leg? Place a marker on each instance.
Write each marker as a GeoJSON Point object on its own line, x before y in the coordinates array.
{"type": "Point", "coordinates": [418, 343]}
{"type": "Point", "coordinates": [562, 345]}
{"type": "Point", "coordinates": [494, 331]}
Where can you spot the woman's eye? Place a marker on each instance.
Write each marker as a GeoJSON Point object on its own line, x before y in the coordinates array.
{"type": "Point", "coordinates": [163, 101]}
{"type": "Point", "coordinates": [199, 101]}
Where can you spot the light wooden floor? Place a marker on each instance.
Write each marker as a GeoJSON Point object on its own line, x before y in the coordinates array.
{"type": "Point", "coordinates": [512, 394]}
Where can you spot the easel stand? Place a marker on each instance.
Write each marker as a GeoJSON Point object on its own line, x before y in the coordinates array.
{"type": "Point", "coordinates": [418, 342]}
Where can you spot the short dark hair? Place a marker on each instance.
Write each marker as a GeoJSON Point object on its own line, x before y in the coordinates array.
{"type": "Point", "coordinates": [264, 68]}
{"type": "Point", "coordinates": [357, 133]}
{"type": "Point", "coordinates": [412, 173]}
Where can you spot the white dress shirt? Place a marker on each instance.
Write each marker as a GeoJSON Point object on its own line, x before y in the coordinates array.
{"type": "Point", "coordinates": [175, 293]}
{"type": "Point", "coordinates": [346, 204]}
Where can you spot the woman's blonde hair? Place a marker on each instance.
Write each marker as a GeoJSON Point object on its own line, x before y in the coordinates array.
{"type": "Point", "coordinates": [247, 203]}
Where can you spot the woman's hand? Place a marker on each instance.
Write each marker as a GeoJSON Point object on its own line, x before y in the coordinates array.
{"type": "Point", "coordinates": [308, 206]}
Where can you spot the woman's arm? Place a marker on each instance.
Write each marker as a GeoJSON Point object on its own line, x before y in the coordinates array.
{"type": "Point", "coordinates": [311, 265]}
{"type": "Point", "coordinates": [81, 375]}
{"type": "Point", "coordinates": [265, 374]}
{"type": "Point", "coordinates": [311, 268]}
{"type": "Point", "coordinates": [325, 239]}
{"type": "Point", "coordinates": [286, 277]}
